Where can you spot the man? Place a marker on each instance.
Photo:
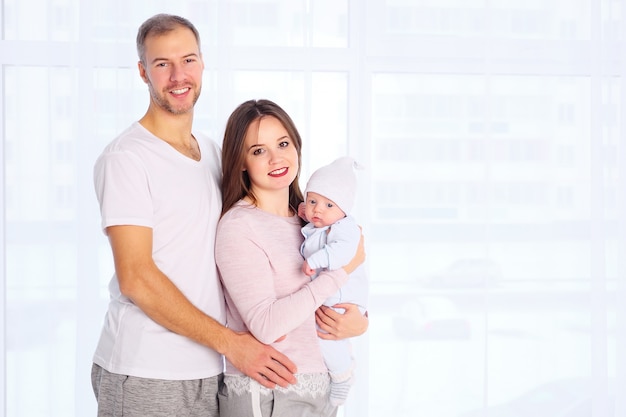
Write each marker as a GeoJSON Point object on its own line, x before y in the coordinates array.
{"type": "Point", "coordinates": [157, 183]}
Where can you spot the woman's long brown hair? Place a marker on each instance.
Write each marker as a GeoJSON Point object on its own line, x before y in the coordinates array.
{"type": "Point", "coordinates": [235, 181]}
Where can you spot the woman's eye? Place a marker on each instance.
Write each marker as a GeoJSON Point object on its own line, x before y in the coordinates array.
{"type": "Point", "coordinates": [257, 152]}
{"type": "Point", "coordinates": [284, 144]}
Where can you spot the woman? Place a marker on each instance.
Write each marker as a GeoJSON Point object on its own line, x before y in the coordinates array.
{"type": "Point", "coordinates": [258, 256]}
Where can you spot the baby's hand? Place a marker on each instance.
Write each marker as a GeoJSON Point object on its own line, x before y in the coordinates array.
{"type": "Point", "coordinates": [307, 270]}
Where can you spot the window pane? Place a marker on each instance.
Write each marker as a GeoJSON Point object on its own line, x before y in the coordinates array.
{"type": "Point", "coordinates": [47, 21]}
{"type": "Point", "coordinates": [275, 23]}
{"type": "Point", "coordinates": [514, 19]}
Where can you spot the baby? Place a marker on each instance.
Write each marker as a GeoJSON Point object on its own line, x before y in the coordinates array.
{"type": "Point", "coordinates": [330, 241]}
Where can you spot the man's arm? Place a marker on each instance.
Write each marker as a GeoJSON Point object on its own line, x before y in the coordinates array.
{"type": "Point", "coordinates": [156, 295]}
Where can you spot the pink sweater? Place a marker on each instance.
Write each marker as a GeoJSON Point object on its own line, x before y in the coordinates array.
{"type": "Point", "coordinates": [258, 257]}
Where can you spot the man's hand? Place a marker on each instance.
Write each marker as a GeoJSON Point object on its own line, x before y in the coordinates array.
{"type": "Point", "coordinates": [336, 326]}
{"type": "Point", "coordinates": [261, 362]}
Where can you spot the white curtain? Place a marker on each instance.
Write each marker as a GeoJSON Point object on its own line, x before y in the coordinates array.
{"type": "Point", "coordinates": [493, 200]}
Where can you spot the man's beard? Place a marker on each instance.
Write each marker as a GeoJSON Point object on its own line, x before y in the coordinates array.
{"type": "Point", "coordinates": [162, 101]}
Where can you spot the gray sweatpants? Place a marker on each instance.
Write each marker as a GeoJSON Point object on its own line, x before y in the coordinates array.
{"type": "Point", "coordinates": [242, 397]}
{"type": "Point", "coordinates": [129, 396]}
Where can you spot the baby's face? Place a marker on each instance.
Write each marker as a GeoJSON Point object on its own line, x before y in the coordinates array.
{"type": "Point", "coordinates": [321, 211]}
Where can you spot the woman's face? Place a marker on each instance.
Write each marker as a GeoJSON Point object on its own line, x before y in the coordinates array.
{"type": "Point", "coordinates": [271, 157]}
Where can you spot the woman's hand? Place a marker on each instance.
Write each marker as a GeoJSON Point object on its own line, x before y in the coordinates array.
{"type": "Point", "coordinates": [302, 211]}
{"type": "Point", "coordinates": [335, 326]}
{"type": "Point", "coordinates": [359, 257]}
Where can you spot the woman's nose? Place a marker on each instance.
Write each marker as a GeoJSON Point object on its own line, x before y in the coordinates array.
{"type": "Point", "coordinates": [275, 157]}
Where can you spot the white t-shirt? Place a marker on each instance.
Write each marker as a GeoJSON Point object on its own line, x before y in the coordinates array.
{"type": "Point", "coordinates": [141, 180]}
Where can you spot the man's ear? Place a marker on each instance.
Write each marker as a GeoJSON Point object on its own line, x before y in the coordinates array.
{"type": "Point", "coordinates": [142, 72]}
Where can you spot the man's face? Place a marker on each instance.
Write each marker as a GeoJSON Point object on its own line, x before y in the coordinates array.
{"type": "Point", "coordinates": [173, 70]}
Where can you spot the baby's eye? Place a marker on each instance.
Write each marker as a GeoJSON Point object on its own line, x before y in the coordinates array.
{"type": "Point", "coordinates": [312, 202]}
{"type": "Point", "coordinates": [329, 205]}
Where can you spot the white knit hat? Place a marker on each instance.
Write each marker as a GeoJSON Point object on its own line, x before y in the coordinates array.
{"type": "Point", "coordinates": [336, 182]}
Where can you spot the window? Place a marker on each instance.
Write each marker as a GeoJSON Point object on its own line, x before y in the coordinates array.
{"type": "Point", "coordinates": [492, 199]}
